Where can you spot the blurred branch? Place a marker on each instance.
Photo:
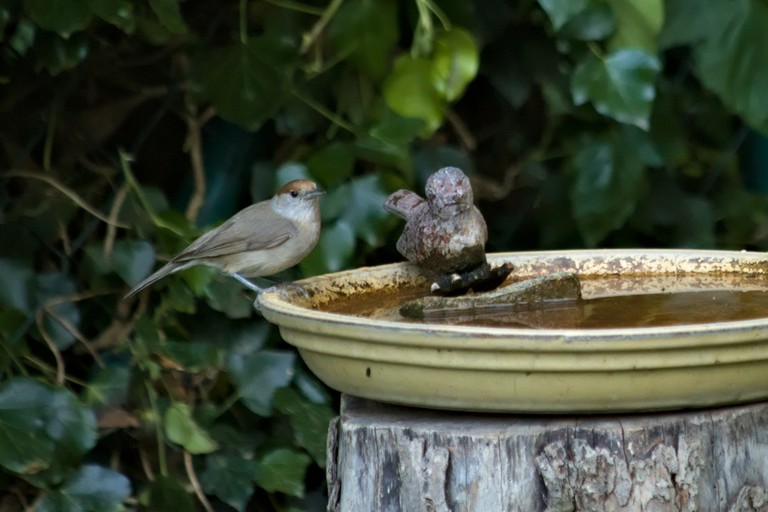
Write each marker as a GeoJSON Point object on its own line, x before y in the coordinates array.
{"type": "Point", "coordinates": [109, 239]}
{"type": "Point", "coordinates": [467, 139]}
{"type": "Point", "coordinates": [195, 482]}
{"type": "Point", "coordinates": [60, 370]}
{"type": "Point", "coordinates": [310, 37]}
{"type": "Point", "coordinates": [67, 192]}
{"type": "Point", "coordinates": [194, 145]}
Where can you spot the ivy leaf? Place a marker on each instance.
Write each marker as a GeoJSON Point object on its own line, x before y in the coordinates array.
{"type": "Point", "coordinates": [282, 470]}
{"type": "Point", "coordinates": [620, 86]}
{"type": "Point", "coordinates": [15, 281]}
{"type": "Point", "coordinates": [117, 12]}
{"type": "Point", "coordinates": [229, 478]}
{"type": "Point", "coordinates": [53, 285]}
{"type": "Point", "coordinates": [109, 385]}
{"type": "Point", "coordinates": [247, 83]}
{"type": "Point", "coordinates": [61, 16]}
{"type": "Point", "coordinates": [42, 427]}
{"type": "Point", "coordinates": [455, 61]}
{"type": "Point", "coordinates": [729, 47]}
{"type": "Point", "coordinates": [92, 489]}
{"type": "Point", "coordinates": [132, 260]}
{"type": "Point", "coordinates": [309, 422]}
{"type": "Point", "coordinates": [367, 31]}
{"type": "Point", "coordinates": [167, 493]}
{"type": "Point", "coordinates": [561, 12]}
{"type": "Point", "coordinates": [609, 182]}
{"type": "Point", "coordinates": [638, 24]}
{"type": "Point", "coordinates": [333, 252]}
{"type": "Point", "coordinates": [595, 23]}
{"type": "Point", "coordinates": [364, 213]}
{"type": "Point", "coordinates": [225, 294]}
{"type": "Point", "coordinates": [182, 429]}
{"type": "Point", "coordinates": [258, 375]}
{"type": "Point", "coordinates": [397, 130]}
{"type": "Point", "coordinates": [332, 163]}
{"type": "Point", "coordinates": [169, 14]}
{"type": "Point", "coordinates": [409, 91]}
{"type": "Point", "coordinates": [56, 54]}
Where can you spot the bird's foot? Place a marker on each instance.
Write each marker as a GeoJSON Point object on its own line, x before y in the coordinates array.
{"type": "Point", "coordinates": [283, 289]}
{"type": "Point", "coordinates": [246, 282]}
{"type": "Point", "coordinates": [286, 290]}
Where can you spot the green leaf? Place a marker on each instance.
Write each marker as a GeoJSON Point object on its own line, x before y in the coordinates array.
{"type": "Point", "coordinates": [366, 30]}
{"type": "Point", "coordinates": [409, 91]}
{"type": "Point", "coordinates": [15, 282]}
{"type": "Point", "coordinates": [61, 16]}
{"type": "Point", "coordinates": [194, 356]}
{"type": "Point", "coordinates": [226, 295]}
{"type": "Point", "coordinates": [561, 12]}
{"type": "Point", "coordinates": [620, 86]}
{"type": "Point", "coordinates": [333, 252]}
{"type": "Point", "coordinates": [53, 286]}
{"type": "Point", "coordinates": [608, 184]}
{"type": "Point", "coordinates": [42, 428]}
{"type": "Point", "coordinates": [332, 163]}
{"type": "Point", "coordinates": [56, 54]}
{"type": "Point", "coordinates": [120, 13]}
{"type": "Point", "coordinates": [109, 385]}
{"type": "Point", "coordinates": [182, 429]}
{"type": "Point", "coordinates": [289, 171]}
{"type": "Point", "coordinates": [247, 83]}
{"type": "Point", "coordinates": [167, 493]}
{"type": "Point", "coordinates": [364, 213]}
{"type": "Point", "coordinates": [455, 61]}
{"type": "Point", "coordinates": [638, 24]}
{"type": "Point", "coordinates": [257, 375]}
{"type": "Point", "coordinates": [132, 260]}
{"type": "Point", "coordinates": [169, 14]}
{"type": "Point", "coordinates": [309, 422]}
{"type": "Point", "coordinates": [91, 489]}
{"type": "Point", "coordinates": [229, 478]}
{"type": "Point", "coordinates": [595, 23]}
{"type": "Point", "coordinates": [282, 470]}
{"type": "Point", "coordinates": [729, 47]}
{"type": "Point", "coordinates": [397, 130]}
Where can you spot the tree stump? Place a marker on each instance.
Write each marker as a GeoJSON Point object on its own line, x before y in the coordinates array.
{"type": "Point", "coordinates": [387, 458]}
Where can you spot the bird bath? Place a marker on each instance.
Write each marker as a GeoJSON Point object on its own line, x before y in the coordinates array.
{"type": "Point", "coordinates": [688, 329]}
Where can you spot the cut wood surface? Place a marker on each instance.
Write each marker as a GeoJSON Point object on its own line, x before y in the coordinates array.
{"type": "Point", "coordinates": [389, 458]}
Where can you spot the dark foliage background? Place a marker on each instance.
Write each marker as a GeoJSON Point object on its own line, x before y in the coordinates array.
{"type": "Point", "coordinates": [128, 127]}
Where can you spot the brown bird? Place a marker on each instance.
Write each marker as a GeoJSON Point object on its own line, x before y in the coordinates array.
{"type": "Point", "coordinates": [260, 240]}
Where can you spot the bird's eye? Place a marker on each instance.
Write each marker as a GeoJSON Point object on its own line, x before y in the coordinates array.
{"type": "Point", "coordinates": [294, 193]}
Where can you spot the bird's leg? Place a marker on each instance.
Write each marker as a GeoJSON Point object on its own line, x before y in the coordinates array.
{"type": "Point", "coordinates": [246, 282]}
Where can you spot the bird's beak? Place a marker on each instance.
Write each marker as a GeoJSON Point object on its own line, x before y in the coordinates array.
{"type": "Point", "coordinates": [315, 193]}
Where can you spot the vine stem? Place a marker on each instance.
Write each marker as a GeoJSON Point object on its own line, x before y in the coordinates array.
{"type": "Point", "coordinates": [152, 395]}
{"type": "Point", "coordinates": [244, 21]}
{"type": "Point", "coordinates": [310, 37]}
{"type": "Point", "coordinates": [320, 109]}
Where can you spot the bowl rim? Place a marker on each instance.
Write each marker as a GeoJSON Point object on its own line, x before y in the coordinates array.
{"type": "Point", "coordinates": [278, 308]}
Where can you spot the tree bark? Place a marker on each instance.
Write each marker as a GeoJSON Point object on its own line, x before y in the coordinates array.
{"type": "Point", "coordinates": [387, 458]}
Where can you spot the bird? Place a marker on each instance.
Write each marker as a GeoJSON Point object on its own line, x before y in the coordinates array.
{"type": "Point", "coordinates": [259, 240]}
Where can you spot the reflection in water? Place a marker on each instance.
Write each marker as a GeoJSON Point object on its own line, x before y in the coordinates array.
{"type": "Point", "coordinates": [672, 300]}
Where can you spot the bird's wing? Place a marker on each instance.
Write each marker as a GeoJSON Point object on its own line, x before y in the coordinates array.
{"type": "Point", "coordinates": [245, 231]}
{"type": "Point", "coordinates": [403, 203]}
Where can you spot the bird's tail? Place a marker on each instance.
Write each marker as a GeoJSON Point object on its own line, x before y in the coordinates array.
{"type": "Point", "coordinates": [168, 268]}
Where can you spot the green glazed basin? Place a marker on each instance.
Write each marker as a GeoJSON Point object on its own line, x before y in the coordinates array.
{"type": "Point", "coordinates": [536, 370]}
